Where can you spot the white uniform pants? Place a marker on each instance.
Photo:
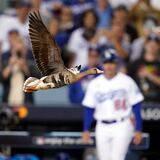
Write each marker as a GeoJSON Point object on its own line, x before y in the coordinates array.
{"type": "Point", "coordinates": [113, 140]}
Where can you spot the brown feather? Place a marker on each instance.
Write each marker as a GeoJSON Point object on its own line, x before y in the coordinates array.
{"type": "Point", "coordinates": [46, 52]}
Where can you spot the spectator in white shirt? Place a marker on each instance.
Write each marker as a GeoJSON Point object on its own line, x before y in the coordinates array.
{"type": "Point", "coordinates": [20, 23]}
{"type": "Point", "coordinates": [81, 38]}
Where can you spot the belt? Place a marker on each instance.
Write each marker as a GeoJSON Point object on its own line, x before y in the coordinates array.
{"type": "Point", "coordinates": [114, 121]}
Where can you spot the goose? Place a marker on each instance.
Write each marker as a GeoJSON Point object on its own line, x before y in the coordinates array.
{"type": "Point", "coordinates": [47, 56]}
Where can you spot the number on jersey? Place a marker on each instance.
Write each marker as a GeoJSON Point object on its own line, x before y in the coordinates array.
{"type": "Point", "coordinates": [120, 104]}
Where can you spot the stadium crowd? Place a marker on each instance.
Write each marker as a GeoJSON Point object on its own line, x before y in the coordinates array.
{"type": "Point", "coordinates": [83, 29]}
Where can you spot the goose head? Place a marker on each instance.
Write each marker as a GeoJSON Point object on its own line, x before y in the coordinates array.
{"type": "Point", "coordinates": [75, 70]}
{"type": "Point", "coordinates": [95, 71]}
{"type": "Point", "coordinates": [91, 71]}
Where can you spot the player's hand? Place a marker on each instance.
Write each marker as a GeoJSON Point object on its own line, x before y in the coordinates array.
{"type": "Point", "coordinates": [137, 138]}
{"type": "Point", "coordinates": [86, 136]}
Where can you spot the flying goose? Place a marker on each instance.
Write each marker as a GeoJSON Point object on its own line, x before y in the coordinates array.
{"type": "Point", "coordinates": [47, 56]}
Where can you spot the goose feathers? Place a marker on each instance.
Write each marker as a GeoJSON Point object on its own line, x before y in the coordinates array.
{"type": "Point", "coordinates": [46, 52]}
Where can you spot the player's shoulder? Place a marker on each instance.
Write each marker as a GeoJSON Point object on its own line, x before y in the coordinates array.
{"type": "Point", "coordinates": [125, 77]}
{"type": "Point", "coordinates": [97, 80]}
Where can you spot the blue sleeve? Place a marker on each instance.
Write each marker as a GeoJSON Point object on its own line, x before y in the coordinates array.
{"type": "Point", "coordinates": [75, 93]}
{"type": "Point", "coordinates": [88, 118]}
{"type": "Point", "coordinates": [137, 112]}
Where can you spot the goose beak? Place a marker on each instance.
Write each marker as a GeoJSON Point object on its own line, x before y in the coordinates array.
{"type": "Point", "coordinates": [79, 67]}
{"type": "Point", "coordinates": [99, 71]}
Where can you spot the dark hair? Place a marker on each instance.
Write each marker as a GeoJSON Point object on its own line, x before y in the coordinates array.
{"type": "Point", "coordinates": [120, 8]}
{"type": "Point", "coordinates": [85, 13]}
{"type": "Point", "coordinates": [13, 31]}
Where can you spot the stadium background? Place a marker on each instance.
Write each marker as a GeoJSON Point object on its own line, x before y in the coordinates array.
{"type": "Point", "coordinates": [48, 125]}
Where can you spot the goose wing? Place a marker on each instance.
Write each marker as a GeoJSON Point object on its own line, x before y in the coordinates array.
{"type": "Point", "coordinates": [46, 52]}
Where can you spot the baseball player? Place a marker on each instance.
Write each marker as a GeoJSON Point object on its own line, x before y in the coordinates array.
{"type": "Point", "coordinates": [113, 98]}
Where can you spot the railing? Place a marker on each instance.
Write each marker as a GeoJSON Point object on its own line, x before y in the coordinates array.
{"type": "Point", "coordinates": [55, 140]}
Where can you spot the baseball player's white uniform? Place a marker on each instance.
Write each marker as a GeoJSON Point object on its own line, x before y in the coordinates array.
{"type": "Point", "coordinates": [112, 100]}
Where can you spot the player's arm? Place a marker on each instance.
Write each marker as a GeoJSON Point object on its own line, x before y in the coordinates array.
{"type": "Point", "coordinates": [75, 93]}
{"type": "Point", "coordinates": [135, 99]}
{"type": "Point", "coordinates": [87, 122]}
{"type": "Point", "coordinates": [89, 103]}
{"type": "Point", "coordinates": [137, 112]}
{"type": "Point", "coordinates": [138, 123]}
{"type": "Point", "coordinates": [88, 118]}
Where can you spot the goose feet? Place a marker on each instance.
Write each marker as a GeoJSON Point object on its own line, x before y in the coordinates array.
{"type": "Point", "coordinates": [35, 84]}
{"type": "Point", "coordinates": [31, 84]}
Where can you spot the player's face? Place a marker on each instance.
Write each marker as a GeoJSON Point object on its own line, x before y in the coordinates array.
{"type": "Point", "coordinates": [110, 69]}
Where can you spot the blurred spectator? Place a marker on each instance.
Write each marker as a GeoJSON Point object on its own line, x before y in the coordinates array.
{"type": "Point", "coordinates": [78, 89]}
{"type": "Point", "coordinates": [20, 23]}
{"type": "Point", "coordinates": [37, 5]}
{"type": "Point", "coordinates": [138, 44]}
{"type": "Point", "coordinates": [61, 27]}
{"type": "Point", "coordinates": [150, 22]}
{"type": "Point", "coordinates": [60, 37]}
{"type": "Point", "coordinates": [128, 4]}
{"type": "Point", "coordinates": [79, 7]}
{"type": "Point", "coordinates": [120, 16]}
{"type": "Point", "coordinates": [56, 8]}
{"type": "Point", "coordinates": [140, 11]}
{"type": "Point", "coordinates": [17, 65]}
{"type": "Point", "coordinates": [22, 9]}
{"type": "Point", "coordinates": [66, 25]}
{"type": "Point", "coordinates": [66, 19]}
{"type": "Point", "coordinates": [116, 38]}
{"type": "Point", "coordinates": [53, 26]}
{"type": "Point", "coordinates": [52, 6]}
{"type": "Point", "coordinates": [104, 12]}
{"type": "Point", "coordinates": [82, 38]}
{"type": "Point", "coordinates": [146, 71]}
